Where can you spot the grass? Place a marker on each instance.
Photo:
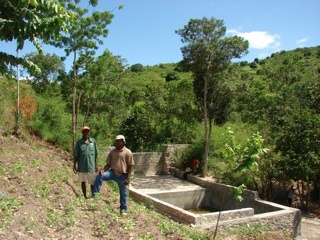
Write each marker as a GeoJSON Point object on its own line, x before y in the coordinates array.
{"type": "Point", "coordinates": [7, 207]}
{"type": "Point", "coordinates": [249, 230]}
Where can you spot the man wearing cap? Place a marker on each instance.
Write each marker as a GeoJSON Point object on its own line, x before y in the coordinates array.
{"type": "Point", "coordinates": [85, 156]}
{"type": "Point", "coordinates": [118, 168]}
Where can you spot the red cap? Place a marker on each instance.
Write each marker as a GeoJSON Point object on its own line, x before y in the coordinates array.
{"type": "Point", "coordinates": [85, 128]}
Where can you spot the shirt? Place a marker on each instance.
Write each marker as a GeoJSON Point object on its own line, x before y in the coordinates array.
{"type": "Point", "coordinates": [86, 154]}
{"type": "Point", "coordinates": [195, 162]}
{"type": "Point", "coordinates": [119, 160]}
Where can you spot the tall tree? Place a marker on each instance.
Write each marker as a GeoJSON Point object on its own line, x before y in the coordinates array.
{"type": "Point", "coordinates": [99, 82]}
{"type": "Point", "coordinates": [207, 53]}
{"type": "Point", "coordinates": [50, 65]}
{"type": "Point", "coordinates": [82, 38]}
{"type": "Point", "coordinates": [29, 20]}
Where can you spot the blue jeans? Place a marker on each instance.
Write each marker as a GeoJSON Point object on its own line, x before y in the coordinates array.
{"type": "Point", "coordinates": [110, 175]}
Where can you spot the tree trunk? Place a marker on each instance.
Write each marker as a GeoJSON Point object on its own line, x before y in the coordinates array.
{"type": "Point", "coordinates": [74, 95]}
{"type": "Point", "coordinates": [78, 106]}
{"type": "Point", "coordinates": [206, 128]}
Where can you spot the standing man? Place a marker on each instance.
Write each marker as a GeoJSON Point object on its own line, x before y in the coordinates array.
{"type": "Point", "coordinates": [85, 156]}
{"type": "Point", "coordinates": [290, 195]}
{"type": "Point", "coordinates": [118, 168]}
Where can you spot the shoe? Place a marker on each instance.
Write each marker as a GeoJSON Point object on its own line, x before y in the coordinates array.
{"type": "Point", "coordinates": [123, 212]}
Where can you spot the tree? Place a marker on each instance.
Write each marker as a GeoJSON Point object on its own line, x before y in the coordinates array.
{"type": "Point", "coordinates": [50, 65]}
{"type": "Point", "coordinates": [99, 85]}
{"type": "Point", "coordinates": [82, 38]}
{"type": "Point", "coordinates": [138, 67]}
{"type": "Point", "coordinates": [30, 20]}
{"type": "Point", "coordinates": [208, 53]}
{"type": "Point", "coordinates": [138, 129]}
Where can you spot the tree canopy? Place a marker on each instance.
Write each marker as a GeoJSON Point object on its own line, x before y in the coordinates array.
{"type": "Point", "coordinates": [30, 20]}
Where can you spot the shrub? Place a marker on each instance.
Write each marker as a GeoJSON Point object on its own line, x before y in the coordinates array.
{"type": "Point", "coordinates": [172, 76]}
{"type": "Point", "coordinates": [51, 122]}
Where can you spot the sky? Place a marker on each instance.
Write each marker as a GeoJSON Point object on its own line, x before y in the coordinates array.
{"type": "Point", "coordinates": [144, 30]}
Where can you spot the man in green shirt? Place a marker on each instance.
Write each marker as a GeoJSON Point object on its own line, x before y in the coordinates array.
{"type": "Point", "coordinates": [85, 160]}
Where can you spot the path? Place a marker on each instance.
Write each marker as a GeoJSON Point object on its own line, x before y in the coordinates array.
{"type": "Point", "coordinates": [310, 229]}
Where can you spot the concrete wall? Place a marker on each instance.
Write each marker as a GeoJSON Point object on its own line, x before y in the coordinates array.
{"type": "Point", "coordinates": [148, 164]}
{"type": "Point", "coordinates": [183, 199]}
{"type": "Point", "coordinates": [158, 163]}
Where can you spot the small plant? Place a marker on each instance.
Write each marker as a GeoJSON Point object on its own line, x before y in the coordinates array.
{"type": "Point", "coordinates": [7, 207]}
{"type": "Point", "coordinates": [52, 217]}
{"type": "Point", "coordinates": [43, 188]}
{"type": "Point", "coordinates": [103, 228]}
{"type": "Point", "coordinates": [287, 233]}
{"type": "Point", "coordinates": [237, 192]}
{"type": "Point", "coordinates": [128, 225]}
{"type": "Point", "coordinates": [36, 162]}
{"type": "Point", "coordinates": [69, 213]}
{"type": "Point", "coordinates": [145, 236]}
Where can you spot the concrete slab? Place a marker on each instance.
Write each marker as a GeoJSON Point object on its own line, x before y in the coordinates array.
{"type": "Point", "coordinates": [162, 183]}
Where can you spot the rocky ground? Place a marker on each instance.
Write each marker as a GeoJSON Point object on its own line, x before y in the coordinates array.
{"type": "Point", "coordinates": [41, 199]}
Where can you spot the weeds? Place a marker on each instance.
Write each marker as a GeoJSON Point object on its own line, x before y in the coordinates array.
{"type": "Point", "coordinates": [249, 230]}
{"type": "Point", "coordinates": [7, 207]}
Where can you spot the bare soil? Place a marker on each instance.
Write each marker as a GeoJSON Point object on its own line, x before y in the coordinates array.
{"type": "Point", "coordinates": [40, 198]}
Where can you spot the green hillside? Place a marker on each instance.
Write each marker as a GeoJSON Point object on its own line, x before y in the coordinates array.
{"type": "Point", "coordinates": [276, 97]}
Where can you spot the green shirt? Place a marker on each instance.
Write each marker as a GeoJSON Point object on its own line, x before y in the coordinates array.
{"type": "Point", "coordinates": [86, 155]}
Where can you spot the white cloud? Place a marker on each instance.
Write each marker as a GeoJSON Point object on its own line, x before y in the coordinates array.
{"type": "Point", "coordinates": [259, 39]}
{"type": "Point", "coordinates": [303, 40]}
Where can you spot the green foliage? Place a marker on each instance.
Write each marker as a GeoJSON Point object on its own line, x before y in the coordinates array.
{"type": "Point", "coordinates": [136, 68]}
{"type": "Point", "coordinates": [81, 39]}
{"type": "Point", "coordinates": [237, 192]}
{"type": "Point", "coordinates": [243, 63]}
{"type": "Point", "coordinates": [99, 89]}
{"type": "Point", "coordinates": [253, 65]}
{"type": "Point", "coordinates": [250, 230]}
{"type": "Point", "coordinates": [50, 121]}
{"type": "Point", "coordinates": [299, 145]}
{"type": "Point", "coordinates": [248, 163]}
{"type": "Point", "coordinates": [196, 149]}
{"type": "Point", "coordinates": [172, 76]}
{"type": "Point", "coordinates": [7, 93]}
{"type": "Point", "coordinates": [7, 208]}
{"type": "Point", "coordinates": [50, 65]}
{"type": "Point", "coordinates": [137, 128]}
{"type": "Point", "coordinates": [252, 152]}
{"type": "Point", "coordinates": [30, 21]}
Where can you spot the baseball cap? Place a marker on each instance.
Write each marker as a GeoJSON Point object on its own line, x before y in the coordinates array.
{"type": "Point", "coordinates": [119, 137]}
{"type": "Point", "coordinates": [85, 128]}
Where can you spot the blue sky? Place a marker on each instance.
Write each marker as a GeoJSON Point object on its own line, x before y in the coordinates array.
{"type": "Point", "coordinates": [144, 30]}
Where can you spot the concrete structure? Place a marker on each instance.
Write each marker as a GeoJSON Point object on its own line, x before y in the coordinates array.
{"type": "Point", "coordinates": [165, 188]}
{"type": "Point", "coordinates": [158, 163]}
